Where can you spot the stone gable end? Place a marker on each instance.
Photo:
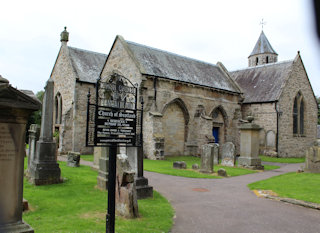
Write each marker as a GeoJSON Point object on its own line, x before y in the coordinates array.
{"type": "Point", "coordinates": [291, 145]}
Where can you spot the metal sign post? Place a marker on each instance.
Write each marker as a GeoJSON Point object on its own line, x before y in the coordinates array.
{"type": "Point", "coordinates": [114, 121]}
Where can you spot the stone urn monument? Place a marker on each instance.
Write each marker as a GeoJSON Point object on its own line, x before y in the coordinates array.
{"type": "Point", "coordinates": [249, 145]}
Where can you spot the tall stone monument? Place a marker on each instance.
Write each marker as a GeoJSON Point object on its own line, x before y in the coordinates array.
{"type": "Point", "coordinates": [44, 168]}
{"type": "Point", "coordinates": [249, 145]}
{"type": "Point", "coordinates": [15, 108]}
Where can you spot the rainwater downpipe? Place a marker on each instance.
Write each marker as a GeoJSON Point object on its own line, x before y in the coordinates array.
{"type": "Point", "coordinates": [155, 79]}
{"type": "Point", "coordinates": [277, 135]}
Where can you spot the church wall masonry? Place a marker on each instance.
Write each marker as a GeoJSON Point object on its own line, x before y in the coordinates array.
{"type": "Point", "coordinates": [265, 116]}
{"type": "Point", "coordinates": [163, 97]}
{"type": "Point", "coordinates": [194, 105]}
{"type": "Point", "coordinates": [291, 145]}
{"type": "Point", "coordinates": [64, 83]}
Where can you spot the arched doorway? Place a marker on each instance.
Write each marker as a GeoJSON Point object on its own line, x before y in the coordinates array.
{"type": "Point", "coordinates": [219, 124]}
{"type": "Point", "coordinates": [174, 125]}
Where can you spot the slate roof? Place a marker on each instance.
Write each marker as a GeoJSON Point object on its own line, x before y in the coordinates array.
{"type": "Point", "coordinates": [263, 83]}
{"type": "Point", "coordinates": [262, 46]}
{"type": "Point", "coordinates": [164, 64]}
{"type": "Point", "coordinates": [87, 64]}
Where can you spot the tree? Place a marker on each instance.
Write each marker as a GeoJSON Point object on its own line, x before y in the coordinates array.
{"type": "Point", "coordinates": [35, 117]}
{"type": "Point", "coordinates": [318, 100]}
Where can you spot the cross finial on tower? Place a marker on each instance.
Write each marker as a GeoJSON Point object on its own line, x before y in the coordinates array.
{"type": "Point", "coordinates": [262, 23]}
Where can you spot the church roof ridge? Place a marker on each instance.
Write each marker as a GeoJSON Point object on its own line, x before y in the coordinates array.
{"type": "Point", "coordinates": [262, 46]}
{"type": "Point", "coordinates": [164, 64]}
{"type": "Point", "coordinates": [170, 53]}
{"type": "Point", "coordinates": [86, 64]}
{"type": "Point", "coordinates": [87, 51]}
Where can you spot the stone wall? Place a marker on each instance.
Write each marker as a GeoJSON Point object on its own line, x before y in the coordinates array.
{"type": "Point", "coordinates": [291, 145]}
{"type": "Point", "coordinates": [265, 116]}
{"type": "Point", "coordinates": [186, 100]}
{"type": "Point", "coordinates": [80, 116]}
{"type": "Point", "coordinates": [74, 105]}
{"type": "Point", "coordinates": [165, 98]}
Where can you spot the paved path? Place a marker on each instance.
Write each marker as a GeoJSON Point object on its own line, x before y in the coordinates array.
{"type": "Point", "coordinates": [227, 205]}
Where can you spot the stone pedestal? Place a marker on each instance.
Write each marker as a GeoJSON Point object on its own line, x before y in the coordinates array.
{"type": "Point", "coordinates": [102, 179]}
{"type": "Point", "coordinates": [44, 169]}
{"type": "Point", "coordinates": [249, 146]}
{"type": "Point", "coordinates": [15, 108]}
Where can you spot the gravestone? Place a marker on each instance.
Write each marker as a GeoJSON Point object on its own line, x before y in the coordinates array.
{"type": "Point", "coordinates": [271, 139]}
{"type": "Point", "coordinates": [135, 157]}
{"type": "Point", "coordinates": [103, 172]}
{"type": "Point", "coordinates": [15, 109]}
{"type": "Point", "coordinates": [215, 153]}
{"type": "Point", "coordinates": [228, 154]}
{"type": "Point", "coordinates": [222, 172]}
{"type": "Point", "coordinates": [44, 168]}
{"type": "Point", "coordinates": [313, 158]}
{"type": "Point", "coordinates": [249, 145]}
{"type": "Point", "coordinates": [195, 166]}
{"type": "Point", "coordinates": [73, 159]}
{"type": "Point", "coordinates": [206, 158]}
{"type": "Point", "coordinates": [126, 194]}
{"type": "Point", "coordinates": [179, 165]}
{"type": "Point", "coordinates": [34, 132]}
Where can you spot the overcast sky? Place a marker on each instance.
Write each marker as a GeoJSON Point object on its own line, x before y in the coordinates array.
{"type": "Point", "coordinates": [206, 30]}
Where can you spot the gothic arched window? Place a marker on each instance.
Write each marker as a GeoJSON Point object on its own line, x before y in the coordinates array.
{"type": "Point", "coordinates": [298, 115]}
{"type": "Point", "coordinates": [257, 61]}
{"type": "Point", "coordinates": [58, 108]}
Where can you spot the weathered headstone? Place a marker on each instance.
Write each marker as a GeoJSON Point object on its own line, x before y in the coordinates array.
{"type": "Point", "coordinates": [195, 166]}
{"type": "Point", "coordinates": [179, 165]}
{"type": "Point", "coordinates": [313, 158]}
{"type": "Point", "coordinates": [207, 158]}
{"type": "Point", "coordinates": [34, 132]}
{"type": "Point", "coordinates": [228, 154]}
{"type": "Point", "coordinates": [102, 179]}
{"type": "Point", "coordinates": [135, 156]}
{"type": "Point", "coordinates": [249, 145]}
{"type": "Point", "coordinates": [73, 159]}
{"type": "Point", "coordinates": [215, 153]}
{"type": "Point", "coordinates": [126, 195]}
{"type": "Point", "coordinates": [222, 172]}
{"type": "Point", "coordinates": [15, 108]}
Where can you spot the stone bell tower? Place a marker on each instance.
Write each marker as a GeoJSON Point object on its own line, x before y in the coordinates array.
{"type": "Point", "coordinates": [263, 53]}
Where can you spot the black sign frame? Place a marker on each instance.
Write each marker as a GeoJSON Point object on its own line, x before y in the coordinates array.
{"type": "Point", "coordinates": [114, 120]}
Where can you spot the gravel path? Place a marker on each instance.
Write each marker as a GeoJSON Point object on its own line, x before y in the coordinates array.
{"type": "Point", "coordinates": [227, 205]}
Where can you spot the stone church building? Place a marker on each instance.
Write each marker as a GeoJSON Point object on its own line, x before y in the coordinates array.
{"type": "Point", "coordinates": [188, 101]}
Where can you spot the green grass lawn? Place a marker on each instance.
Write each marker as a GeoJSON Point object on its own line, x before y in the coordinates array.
{"type": "Point", "coordinates": [301, 186]}
{"type": "Point", "coordinates": [77, 206]}
{"type": "Point", "coordinates": [281, 160]}
{"type": "Point", "coordinates": [87, 157]}
{"type": "Point", "coordinates": [166, 167]}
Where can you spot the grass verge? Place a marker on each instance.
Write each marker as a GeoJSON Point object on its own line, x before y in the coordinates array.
{"type": "Point", "coordinates": [166, 167]}
{"type": "Point", "coordinates": [87, 157]}
{"type": "Point", "coordinates": [77, 206]}
{"type": "Point", "coordinates": [300, 186]}
{"type": "Point", "coordinates": [281, 160]}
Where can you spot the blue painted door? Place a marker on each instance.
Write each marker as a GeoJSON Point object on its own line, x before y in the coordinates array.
{"type": "Point", "coordinates": [215, 133]}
